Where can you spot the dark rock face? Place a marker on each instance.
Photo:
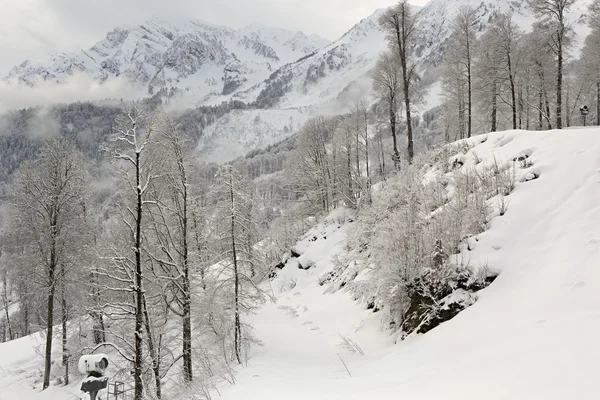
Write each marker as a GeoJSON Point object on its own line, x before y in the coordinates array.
{"type": "Point", "coordinates": [434, 301]}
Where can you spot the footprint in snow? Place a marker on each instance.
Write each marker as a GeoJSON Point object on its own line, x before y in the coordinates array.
{"type": "Point", "coordinates": [580, 285]}
{"type": "Point", "coordinates": [289, 311]}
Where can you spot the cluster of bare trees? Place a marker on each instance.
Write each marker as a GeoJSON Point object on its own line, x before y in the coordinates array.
{"type": "Point", "coordinates": [331, 165]}
{"type": "Point", "coordinates": [47, 238]}
{"type": "Point", "coordinates": [516, 80]}
{"type": "Point", "coordinates": [156, 268]}
{"type": "Point", "coordinates": [395, 75]}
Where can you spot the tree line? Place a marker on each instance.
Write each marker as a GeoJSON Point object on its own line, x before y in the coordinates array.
{"type": "Point", "coordinates": [159, 265]}
{"type": "Point", "coordinates": [507, 78]}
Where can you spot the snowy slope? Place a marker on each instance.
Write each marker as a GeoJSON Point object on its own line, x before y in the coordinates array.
{"type": "Point", "coordinates": [532, 334]}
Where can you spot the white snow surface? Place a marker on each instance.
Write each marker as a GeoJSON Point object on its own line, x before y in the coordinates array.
{"type": "Point", "coordinates": [532, 334]}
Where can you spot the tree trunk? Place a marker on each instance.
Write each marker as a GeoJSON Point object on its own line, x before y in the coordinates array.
{"type": "Point", "coordinates": [237, 327]}
{"type": "Point", "coordinates": [396, 155]}
{"type": "Point", "coordinates": [8, 325]}
{"type": "Point", "coordinates": [559, 83]}
{"type": "Point", "coordinates": [470, 88]}
{"type": "Point", "coordinates": [98, 327]}
{"type": "Point", "coordinates": [369, 199]}
{"type": "Point", "coordinates": [139, 293]}
{"type": "Point", "coordinates": [50, 300]}
{"type": "Point", "coordinates": [349, 167]}
{"type": "Point", "coordinates": [598, 103]}
{"type": "Point", "coordinates": [541, 108]}
{"type": "Point", "coordinates": [26, 319]}
{"type": "Point", "coordinates": [494, 108]}
{"type": "Point", "coordinates": [461, 118]}
{"type": "Point", "coordinates": [547, 110]}
{"type": "Point", "coordinates": [357, 148]}
{"type": "Point", "coordinates": [154, 355]}
{"type": "Point", "coordinates": [512, 92]}
{"type": "Point", "coordinates": [187, 300]}
{"type": "Point", "coordinates": [521, 107]}
{"type": "Point", "coordinates": [568, 101]}
{"type": "Point", "coordinates": [49, 327]}
{"type": "Point", "coordinates": [401, 42]}
{"type": "Point", "coordinates": [65, 319]}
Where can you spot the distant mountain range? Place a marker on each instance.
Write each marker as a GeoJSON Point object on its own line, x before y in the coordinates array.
{"type": "Point", "coordinates": [288, 73]}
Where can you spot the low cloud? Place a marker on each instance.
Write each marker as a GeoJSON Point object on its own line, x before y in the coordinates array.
{"type": "Point", "coordinates": [79, 87]}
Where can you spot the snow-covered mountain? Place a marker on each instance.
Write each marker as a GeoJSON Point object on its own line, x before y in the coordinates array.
{"type": "Point", "coordinates": [199, 57]}
{"type": "Point", "coordinates": [339, 73]}
{"type": "Point", "coordinates": [285, 72]}
{"type": "Point", "coordinates": [329, 80]}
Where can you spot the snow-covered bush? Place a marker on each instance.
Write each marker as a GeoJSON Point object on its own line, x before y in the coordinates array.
{"type": "Point", "coordinates": [406, 241]}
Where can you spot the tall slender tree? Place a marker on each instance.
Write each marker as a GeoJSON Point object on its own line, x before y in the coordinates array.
{"type": "Point", "coordinates": [509, 37]}
{"type": "Point", "coordinates": [237, 240]}
{"type": "Point", "coordinates": [554, 12]}
{"type": "Point", "coordinates": [400, 26]}
{"type": "Point", "coordinates": [129, 146]}
{"type": "Point", "coordinates": [387, 84]}
{"type": "Point", "coordinates": [465, 42]}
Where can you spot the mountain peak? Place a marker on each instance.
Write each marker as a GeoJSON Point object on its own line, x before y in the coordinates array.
{"type": "Point", "coordinates": [158, 54]}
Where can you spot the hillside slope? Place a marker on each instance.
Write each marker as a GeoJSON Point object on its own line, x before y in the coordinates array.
{"type": "Point", "coordinates": [532, 334]}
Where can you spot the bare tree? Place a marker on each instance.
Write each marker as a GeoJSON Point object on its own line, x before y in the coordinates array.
{"type": "Point", "coordinates": [129, 146]}
{"type": "Point", "coordinates": [454, 86]}
{"type": "Point", "coordinates": [540, 63]}
{"type": "Point", "coordinates": [554, 11]}
{"type": "Point", "coordinates": [464, 44]}
{"type": "Point", "coordinates": [171, 225]}
{"type": "Point", "coordinates": [509, 36]}
{"type": "Point", "coordinates": [238, 255]}
{"type": "Point", "coordinates": [360, 111]}
{"type": "Point", "coordinates": [47, 196]}
{"type": "Point", "coordinates": [487, 77]}
{"type": "Point", "coordinates": [400, 26]}
{"type": "Point", "coordinates": [386, 82]}
{"type": "Point", "coordinates": [310, 165]}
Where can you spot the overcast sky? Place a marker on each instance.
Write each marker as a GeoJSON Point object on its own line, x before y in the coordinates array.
{"type": "Point", "coordinates": [34, 28]}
